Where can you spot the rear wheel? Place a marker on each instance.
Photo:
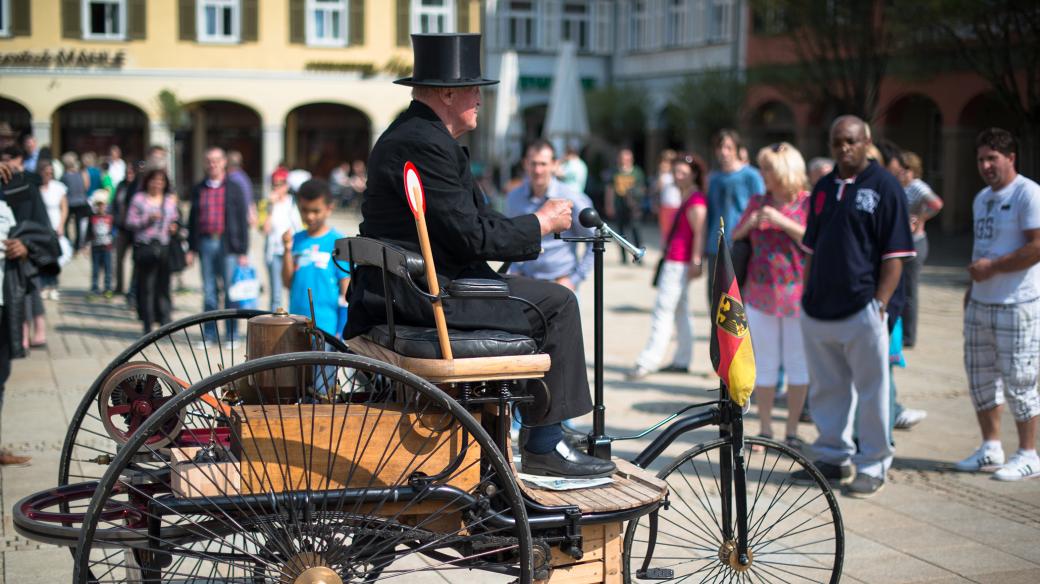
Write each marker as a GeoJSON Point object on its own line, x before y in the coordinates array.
{"type": "Point", "coordinates": [795, 532]}
{"type": "Point", "coordinates": [362, 473]}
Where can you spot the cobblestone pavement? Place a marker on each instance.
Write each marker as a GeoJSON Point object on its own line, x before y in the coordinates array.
{"type": "Point", "coordinates": [930, 524]}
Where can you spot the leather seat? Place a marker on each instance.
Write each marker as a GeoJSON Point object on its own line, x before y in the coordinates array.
{"type": "Point", "coordinates": [421, 342]}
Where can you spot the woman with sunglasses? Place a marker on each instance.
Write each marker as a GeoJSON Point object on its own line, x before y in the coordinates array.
{"type": "Point", "coordinates": [683, 252]}
{"type": "Point", "coordinates": [772, 291]}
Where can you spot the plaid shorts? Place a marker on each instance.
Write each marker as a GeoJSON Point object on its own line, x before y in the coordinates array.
{"type": "Point", "coordinates": [1002, 356]}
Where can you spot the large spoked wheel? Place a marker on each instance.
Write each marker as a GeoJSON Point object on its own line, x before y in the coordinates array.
{"type": "Point", "coordinates": [795, 532]}
{"type": "Point", "coordinates": [189, 350]}
{"type": "Point", "coordinates": [354, 471]}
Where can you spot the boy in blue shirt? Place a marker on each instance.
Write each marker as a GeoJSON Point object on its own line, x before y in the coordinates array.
{"type": "Point", "coordinates": [307, 263]}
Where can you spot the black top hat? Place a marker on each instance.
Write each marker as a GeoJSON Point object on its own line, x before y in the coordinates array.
{"type": "Point", "coordinates": [446, 60]}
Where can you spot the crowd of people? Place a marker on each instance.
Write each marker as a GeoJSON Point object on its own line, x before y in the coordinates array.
{"type": "Point", "coordinates": [828, 255]}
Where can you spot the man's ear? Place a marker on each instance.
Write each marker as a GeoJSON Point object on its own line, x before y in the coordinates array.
{"type": "Point", "coordinates": [446, 95]}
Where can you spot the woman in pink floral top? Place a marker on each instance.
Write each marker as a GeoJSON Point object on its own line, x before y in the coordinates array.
{"type": "Point", "coordinates": [775, 224]}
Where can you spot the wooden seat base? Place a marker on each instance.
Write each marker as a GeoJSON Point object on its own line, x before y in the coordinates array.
{"type": "Point", "coordinates": [456, 370]}
{"type": "Point", "coordinates": [632, 487]}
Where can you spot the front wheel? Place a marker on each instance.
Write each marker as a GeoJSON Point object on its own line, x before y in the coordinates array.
{"type": "Point", "coordinates": [795, 532]}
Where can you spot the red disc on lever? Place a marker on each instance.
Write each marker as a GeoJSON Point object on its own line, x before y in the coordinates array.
{"type": "Point", "coordinates": [413, 189]}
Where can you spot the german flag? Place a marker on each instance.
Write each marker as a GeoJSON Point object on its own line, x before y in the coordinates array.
{"type": "Point", "coordinates": [731, 352]}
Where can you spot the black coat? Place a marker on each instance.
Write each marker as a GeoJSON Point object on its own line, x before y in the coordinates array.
{"type": "Point", "coordinates": [465, 232]}
{"type": "Point", "coordinates": [236, 219]}
{"type": "Point", "coordinates": [21, 276]}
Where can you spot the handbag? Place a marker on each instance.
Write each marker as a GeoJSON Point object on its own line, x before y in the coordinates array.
{"type": "Point", "coordinates": [664, 250]}
{"type": "Point", "coordinates": [244, 291]}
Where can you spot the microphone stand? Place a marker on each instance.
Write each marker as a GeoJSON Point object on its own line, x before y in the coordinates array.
{"type": "Point", "coordinates": [597, 441]}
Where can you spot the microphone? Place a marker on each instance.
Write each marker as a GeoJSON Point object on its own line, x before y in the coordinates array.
{"type": "Point", "coordinates": [589, 218]}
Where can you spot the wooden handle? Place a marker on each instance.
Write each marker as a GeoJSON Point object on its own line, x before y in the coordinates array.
{"type": "Point", "coordinates": [431, 282]}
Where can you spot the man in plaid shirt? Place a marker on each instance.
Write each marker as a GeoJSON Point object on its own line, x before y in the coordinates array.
{"type": "Point", "coordinates": [218, 231]}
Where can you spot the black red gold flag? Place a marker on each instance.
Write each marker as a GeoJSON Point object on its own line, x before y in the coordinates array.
{"type": "Point", "coordinates": [731, 353]}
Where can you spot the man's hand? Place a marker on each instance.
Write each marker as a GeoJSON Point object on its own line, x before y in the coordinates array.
{"type": "Point", "coordinates": [555, 216]}
{"type": "Point", "coordinates": [287, 240]}
{"type": "Point", "coordinates": [6, 172]}
{"type": "Point", "coordinates": [15, 249]}
{"type": "Point", "coordinates": [243, 260]}
{"type": "Point", "coordinates": [189, 258]}
{"type": "Point", "coordinates": [982, 269]}
{"type": "Point", "coordinates": [566, 282]}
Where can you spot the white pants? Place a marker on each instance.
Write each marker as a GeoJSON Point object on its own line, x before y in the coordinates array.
{"type": "Point", "coordinates": [777, 341]}
{"type": "Point", "coordinates": [671, 311]}
{"type": "Point", "coordinates": [848, 362]}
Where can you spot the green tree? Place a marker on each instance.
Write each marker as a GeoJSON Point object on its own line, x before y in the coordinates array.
{"type": "Point", "coordinates": [999, 40]}
{"type": "Point", "coordinates": [842, 49]}
{"type": "Point", "coordinates": [705, 103]}
{"type": "Point", "coordinates": [617, 113]}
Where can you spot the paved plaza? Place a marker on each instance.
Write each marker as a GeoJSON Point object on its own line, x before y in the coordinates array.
{"type": "Point", "coordinates": [930, 524]}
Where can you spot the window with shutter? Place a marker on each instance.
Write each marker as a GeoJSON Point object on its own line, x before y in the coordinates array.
{"type": "Point", "coordinates": [218, 21]}
{"type": "Point", "coordinates": [137, 19]}
{"type": "Point", "coordinates": [356, 22]}
{"type": "Point", "coordinates": [5, 18]}
{"type": "Point", "coordinates": [71, 24]}
{"type": "Point", "coordinates": [404, 26]}
{"type": "Point", "coordinates": [186, 20]}
{"type": "Point", "coordinates": [462, 10]}
{"type": "Point", "coordinates": [297, 34]}
{"type": "Point", "coordinates": [250, 20]}
{"type": "Point", "coordinates": [326, 23]}
{"type": "Point", "coordinates": [104, 19]}
{"type": "Point", "coordinates": [433, 16]}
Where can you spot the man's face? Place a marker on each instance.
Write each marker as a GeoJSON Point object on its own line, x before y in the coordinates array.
{"type": "Point", "coordinates": [16, 164]}
{"type": "Point", "coordinates": [849, 146]}
{"type": "Point", "coordinates": [625, 160]}
{"type": "Point", "coordinates": [539, 166]}
{"type": "Point", "coordinates": [995, 167]}
{"type": "Point", "coordinates": [464, 107]}
{"type": "Point", "coordinates": [903, 175]}
{"type": "Point", "coordinates": [216, 164]}
{"type": "Point", "coordinates": [726, 153]}
{"type": "Point", "coordinates": [115, 153]}
{"type": "Point", "coordinates": [314, 213]}
{"type": "Point", "coordinates": [30, 144]}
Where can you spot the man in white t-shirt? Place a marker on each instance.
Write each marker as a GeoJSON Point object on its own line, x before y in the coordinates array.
{"type": "Point", "coordinates": [1002, 309]}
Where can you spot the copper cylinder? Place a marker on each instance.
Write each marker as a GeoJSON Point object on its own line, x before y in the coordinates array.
{"type": "Point", "coordinates": [277, 334]}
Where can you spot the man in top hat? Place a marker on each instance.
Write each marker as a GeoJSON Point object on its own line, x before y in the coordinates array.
{"type": "Point", "coordinates": [465, 233]}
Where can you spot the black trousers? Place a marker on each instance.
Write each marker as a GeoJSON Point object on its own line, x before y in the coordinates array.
{"type": "Point", "coordinates": [153, 286]}
{"type": "Point", "coordinates": [567, 378]}
{"type": "Point", "coordinates": [626, 222]}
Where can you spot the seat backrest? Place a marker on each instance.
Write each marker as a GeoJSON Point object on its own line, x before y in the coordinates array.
{"type": "Point", "coordinates": [365, 251]}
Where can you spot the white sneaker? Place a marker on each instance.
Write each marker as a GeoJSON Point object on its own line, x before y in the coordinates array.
{"type": "Point", "coordinates": [1021, 466]}
{"type": "Point", "coordinates": [983, 459]}
{"type": "Point", "coordinates": [909, 418]}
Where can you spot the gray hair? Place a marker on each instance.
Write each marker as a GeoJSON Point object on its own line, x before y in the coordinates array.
{"type": "Point", "coordinates": [818, 163]}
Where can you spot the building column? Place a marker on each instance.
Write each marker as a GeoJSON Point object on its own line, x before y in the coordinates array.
{"type": "Point", "coordinates": [273, 148]}
{"type": "Point", "coordinates": [958, 147]}
{"type": "Point", "coordinates": [41, 130]}
{"type": "Point", "coordinates": [159, 134]}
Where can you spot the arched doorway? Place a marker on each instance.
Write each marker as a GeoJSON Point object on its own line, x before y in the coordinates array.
{"type": "Point", "coordinates": [981, 112]}
{"type": "Point", "coordinates": [771, 122]}
{"type": "Point", "coordinates": [320, 136]}
{"type": "Point", "coordinates": [914, 122]}
{"type": "Point", "coordinates": [15, 115]}
{"type": "Point", "coordinates": [227, 124]}
{"type": "Point", "coordinates": [94, 125]}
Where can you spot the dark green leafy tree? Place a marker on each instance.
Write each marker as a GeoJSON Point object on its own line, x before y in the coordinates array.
{"type": "Point", "coordinates": [617, 113]}
{"type": "Point", "coordinates": [842, 49]}
{"type": "Point", "coordinates": [999, 40]}
{"type": "Point", "coordinates": [706, 103]}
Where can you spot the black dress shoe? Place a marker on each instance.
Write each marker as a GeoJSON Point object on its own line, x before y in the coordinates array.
{"type": "Point", "coordinates": [564, 461]}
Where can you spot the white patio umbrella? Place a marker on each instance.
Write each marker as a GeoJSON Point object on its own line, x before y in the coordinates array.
{"type": "Point", "coordinates": [506, 128]}
{"type": "Point", "coordinates": [566, 121]}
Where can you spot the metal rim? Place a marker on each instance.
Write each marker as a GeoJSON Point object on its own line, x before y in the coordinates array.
{"type": "Point", "coordinates": [507, 486]}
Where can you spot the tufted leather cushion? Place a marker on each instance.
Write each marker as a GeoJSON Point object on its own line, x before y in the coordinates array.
{"type": "Point", "coordinates": [421, 343]}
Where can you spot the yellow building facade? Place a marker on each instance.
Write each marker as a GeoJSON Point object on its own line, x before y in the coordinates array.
{"type": "Point", "coordinates": [307, 82]}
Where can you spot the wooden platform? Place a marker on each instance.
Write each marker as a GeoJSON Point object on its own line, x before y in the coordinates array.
{"type": "Point", "coordinates": [456, 370]}
{"type": "Point", "coordinates": [632, 487]}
